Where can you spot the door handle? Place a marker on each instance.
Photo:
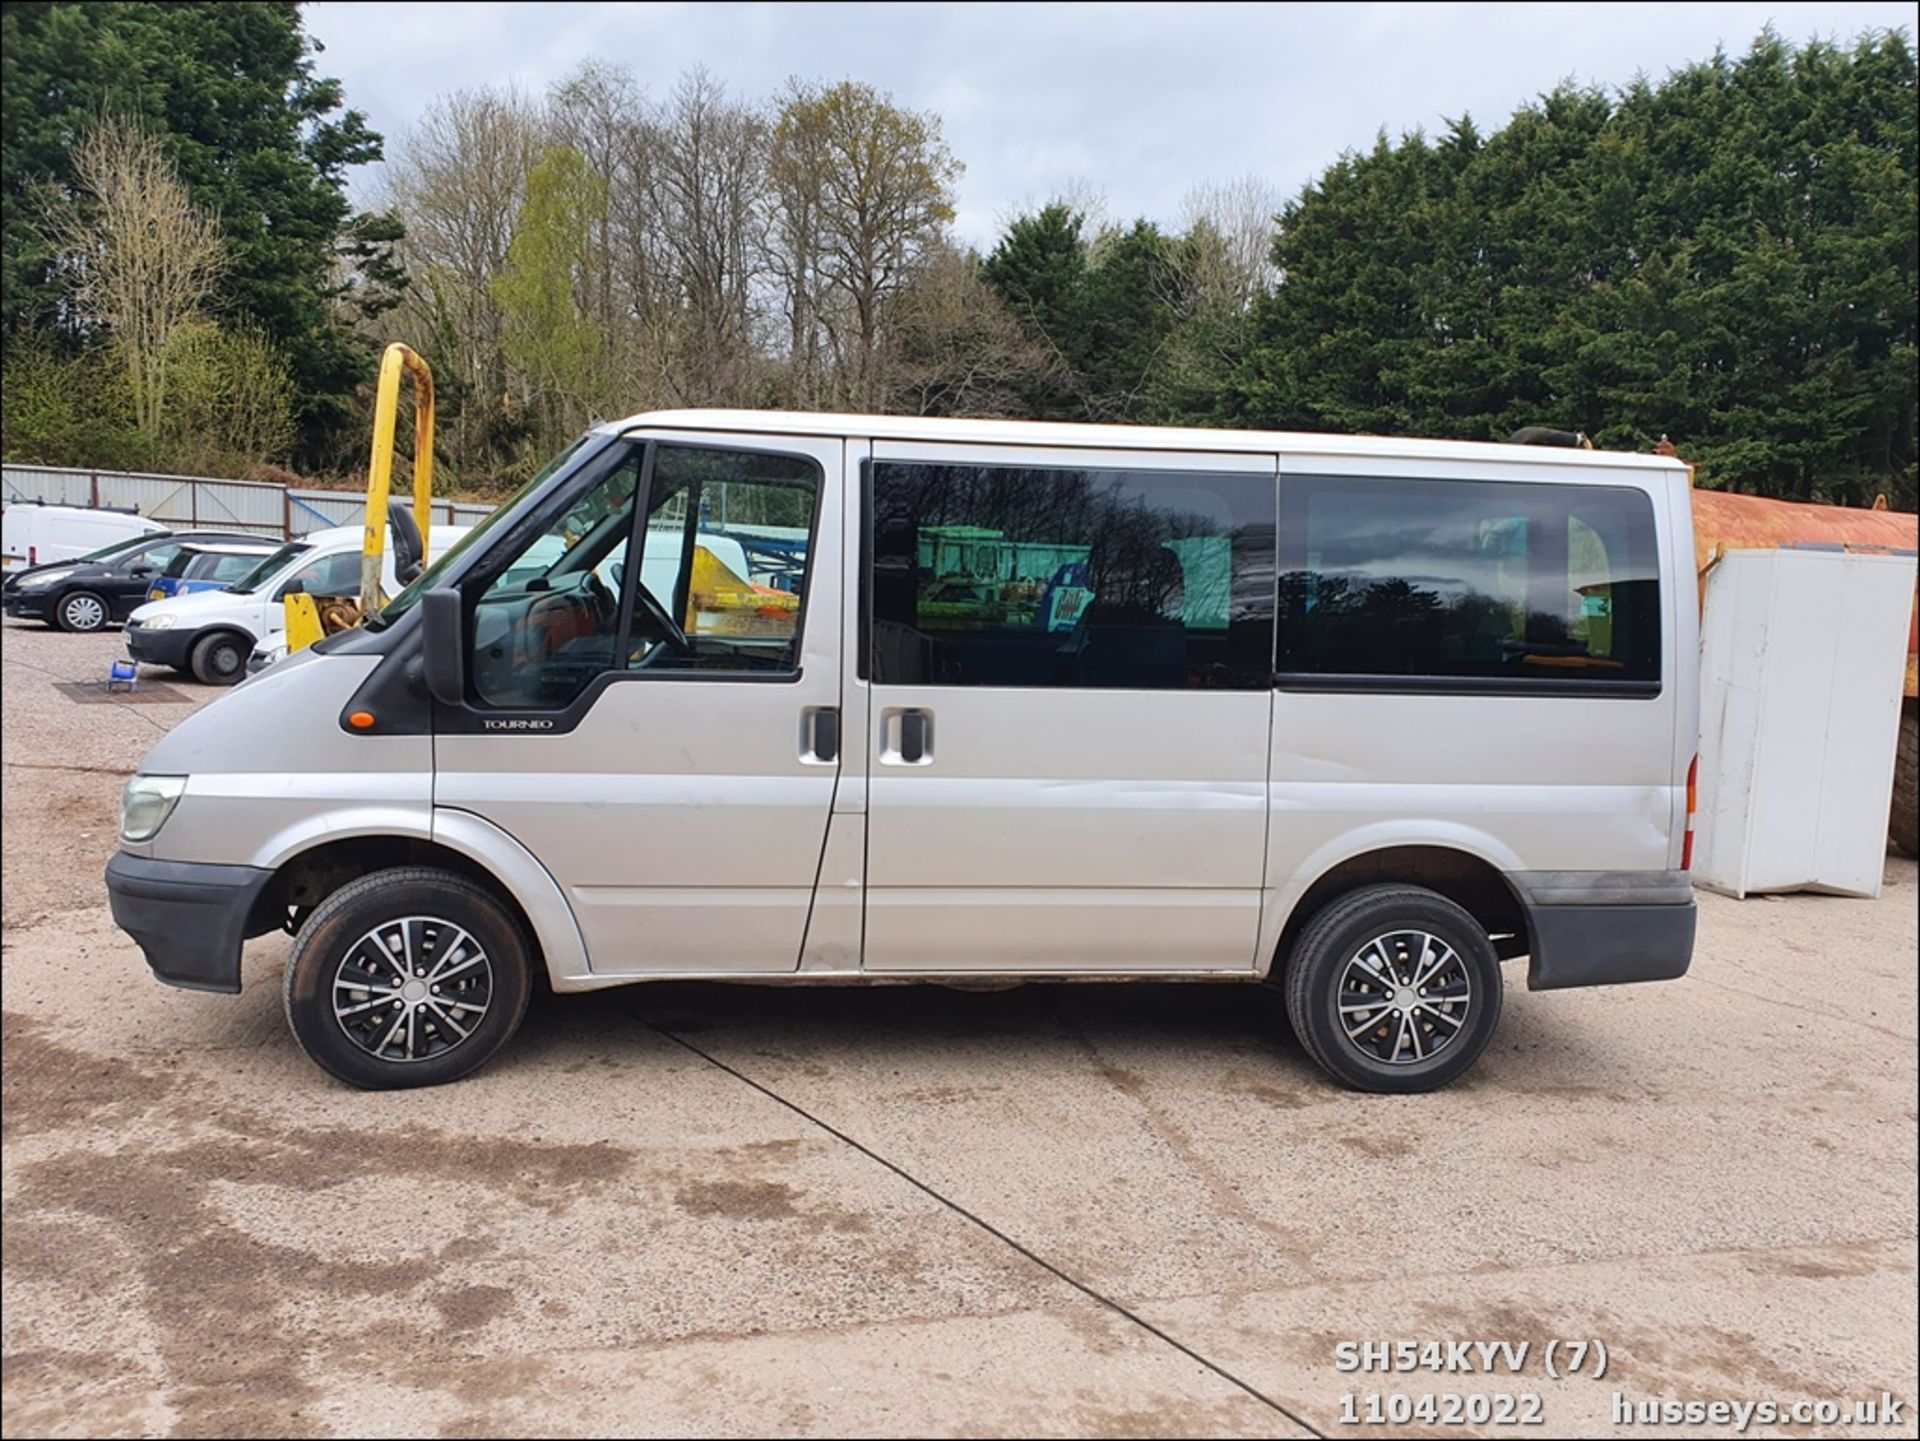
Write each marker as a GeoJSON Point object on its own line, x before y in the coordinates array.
{"type": "Point", "coordinates": [913, 736]}
{"type": "Point", "coordinates": [906, 737]}
{"type": "Point", "coordinates": [820, 734]}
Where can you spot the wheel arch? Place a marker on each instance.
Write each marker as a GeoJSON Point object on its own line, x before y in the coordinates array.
{"type": "Point", "coordinates": [309, 868]}
{"type": "Point", "coordinates": [1472, 880]}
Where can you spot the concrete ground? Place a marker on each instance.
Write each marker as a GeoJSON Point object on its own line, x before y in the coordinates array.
{"type": "Point", "coordinates": [713, 1210]}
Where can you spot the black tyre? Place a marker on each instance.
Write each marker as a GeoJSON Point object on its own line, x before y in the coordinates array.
{"type": "Point", "coordinates": [1393, 988]}
{"type": "Point", "coordinates": [407, 977]}
{"type": "Point", "coordinates": [82, 611]}
{"type": "Point", "coordinates": [220, 658]}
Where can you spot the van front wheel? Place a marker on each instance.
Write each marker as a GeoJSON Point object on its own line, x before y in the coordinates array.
{"type": "Point", "coordinates": [1393, 988]}
{"type": "Point", "coordinates": [407, 977]}
{"type": "Point", "coordinates": [219, 659]}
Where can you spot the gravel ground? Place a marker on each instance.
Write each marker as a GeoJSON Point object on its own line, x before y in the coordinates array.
{"type": "Point", "coordinates": [708, 1210]}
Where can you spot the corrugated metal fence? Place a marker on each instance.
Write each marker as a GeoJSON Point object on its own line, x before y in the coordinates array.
{"type": "Point", "coordinates": [191, 502]}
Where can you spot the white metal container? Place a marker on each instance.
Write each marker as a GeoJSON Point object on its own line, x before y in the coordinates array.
{"type": "Point", "coordinates": [1803, 652]}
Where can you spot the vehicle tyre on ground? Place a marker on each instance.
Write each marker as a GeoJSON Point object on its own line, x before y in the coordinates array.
{"type": "Point", "coordinates": [82, 611]}
{"type": "Point", "coordinates": [220, 658]}
{"type": "Point", "coordinates": [1904, 823]}
{"type": "Point", "coordinates": [411, 976]}
{"type": "Point", "coordinates": [1393, 988]}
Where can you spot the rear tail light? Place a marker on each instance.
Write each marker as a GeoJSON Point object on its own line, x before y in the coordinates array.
{"type": "Point", "coordinates": [1693, 804]}
{"type": "Point", "coordinates": [33, 555]}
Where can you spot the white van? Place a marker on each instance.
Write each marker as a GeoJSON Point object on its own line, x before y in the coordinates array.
{"type": "Point", "coordinates": [209, 634]}
{"type": "Point", "coordinates": [955, 700]}
{"type": "Point", "coordinates": [35, 534]}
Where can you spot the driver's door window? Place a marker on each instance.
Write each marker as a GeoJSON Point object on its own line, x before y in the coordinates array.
{"type": "Point", "coordinates": [548, 621]}
{"type": "Point", "coordinates": [331, 577]}
{"type": "Point", "coordinates": [153, 560]}
{"type": "Point", "coordinates": [723, 567]}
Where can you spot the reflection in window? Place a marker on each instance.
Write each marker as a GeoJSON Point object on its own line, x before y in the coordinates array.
{"type": "Point", "coordinates": [727, 542]}
{"type": "Point", "coordinates": [1040, 576]}
{"type": "Point", "coordinates": [1468, 579]}
{"type": "Point", "coordinates": [549, 620]}
{"type": "Point", "coordinates": [331, 577]}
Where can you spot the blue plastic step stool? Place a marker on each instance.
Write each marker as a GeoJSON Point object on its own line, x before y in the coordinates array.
{"type": "Point", "coordinates": [123, 675]}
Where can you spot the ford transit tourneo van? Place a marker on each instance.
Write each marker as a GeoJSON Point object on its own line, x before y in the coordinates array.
{"type": "Point", "coordinates": [784, 697]}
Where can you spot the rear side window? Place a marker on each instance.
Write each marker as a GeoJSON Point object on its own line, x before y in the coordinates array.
{"type": "Point", "coordinates": [1447, 584]}
{"type": "Point", "coordinates": [225, 568]}
{"type": "Point", "coordinates": [1071, 578]}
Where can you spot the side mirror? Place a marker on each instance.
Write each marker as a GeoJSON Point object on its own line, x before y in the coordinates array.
{"type": "Point", "coordinates": [444, 648]}
{"type": "Point", "coordinates": [140, 572]}
{"type": "Point", "coordinates": [293, 587]}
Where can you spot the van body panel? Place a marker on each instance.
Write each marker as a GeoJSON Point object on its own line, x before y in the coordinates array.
{"type": "Point", "coordinates": [1066, 829]}
{"type": "Point", "coordinates": [250, 801]}
{"type": "Point", "coordinates": [835, 929]}
{"type": "Point", "coordinates": [1677, 571]}
{"type": "Point", "coordinates": [33, 534]}
{"type": "Point", "coordinates": [680, 815]}
{"type": "Point", "coordinates": [539, 896]}
{"type": "Point", "coordinates": [1525, 782]}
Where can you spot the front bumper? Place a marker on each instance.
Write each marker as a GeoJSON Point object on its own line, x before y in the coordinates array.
{"type": "Point", "coordinates": [27, 605]}
{"type": "Point", "coordinates": [159, 647]}
{"type": "Point", "coordinates": [189, 918]}
{"type": "Point", "coordinates": [1607, 928]}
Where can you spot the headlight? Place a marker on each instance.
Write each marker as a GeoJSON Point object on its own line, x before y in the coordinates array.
{"type": "Point", "coordinates": [146, 803]}
{"type": "Point", "coordinates": [44, 579]}
{"type": "Point", "coordinates": [157, 622]}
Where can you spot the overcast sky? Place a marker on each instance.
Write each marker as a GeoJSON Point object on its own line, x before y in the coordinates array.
{"type": "Point", "coordinates": [1133, 102]}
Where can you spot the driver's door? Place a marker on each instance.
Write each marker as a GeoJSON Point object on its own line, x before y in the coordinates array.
{"type": "Point", "coordinates": [653, 687]}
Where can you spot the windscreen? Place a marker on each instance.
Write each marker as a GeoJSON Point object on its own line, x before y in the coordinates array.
{"type": "Point", "coordinates": [269, 567]}
{"type": "Point", "coordinates": [107, 552]}
{"type": "Point", "coordinates": [430, 577]}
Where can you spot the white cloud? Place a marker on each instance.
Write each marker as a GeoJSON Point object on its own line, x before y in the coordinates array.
{"type": "Point", "coordinates": [1139, 101]}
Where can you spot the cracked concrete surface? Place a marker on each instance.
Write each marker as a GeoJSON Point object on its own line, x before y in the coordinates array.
{"type": "Point", "coordinates": [722, 1210]}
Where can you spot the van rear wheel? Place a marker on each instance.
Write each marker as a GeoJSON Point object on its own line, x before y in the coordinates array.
{"type": "Point", "coordinates": [411, 976]}
{"type": "Point", "coordinates": [1393, 989]}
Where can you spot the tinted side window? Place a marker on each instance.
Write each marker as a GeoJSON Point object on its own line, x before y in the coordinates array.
{"type": "Point", "coordinates": [1057, 577]}
{"type": "Point", "coordinates": [225, 568]}
{"type": "Point", "coordinates": [1439, 580]}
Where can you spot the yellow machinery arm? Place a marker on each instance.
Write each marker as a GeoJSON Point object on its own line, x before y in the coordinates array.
{"type": "Point", "coordinates": [386, 407]}
{"type": "Point", "coordinates": [307, 622]}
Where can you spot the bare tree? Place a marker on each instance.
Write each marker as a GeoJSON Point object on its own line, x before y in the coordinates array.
{"type": "Point", "coordinates": [599, 111]}
{"type": "Point", "coordinates": [797, 170]}
{"type": "Point", "coordinates": [707, 188]}
{"type": "Point", "coordinates": [143, 257]}
{"type": "Point", "coordinates": [459, 182]}
{"type": "Point", "coordinates": [955, 349]}
{"type": "Point", "coordinates": [1233, 224]}
{"type": "Point", "coordinates": [878, 184]}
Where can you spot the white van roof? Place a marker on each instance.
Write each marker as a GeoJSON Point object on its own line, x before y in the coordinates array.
{"type": "Point", "coordinates": [91, 512]}
{"type": "Point", "coordinates": [1129, 437]}
{"type": "Point", "coordinates": [438, 538]}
